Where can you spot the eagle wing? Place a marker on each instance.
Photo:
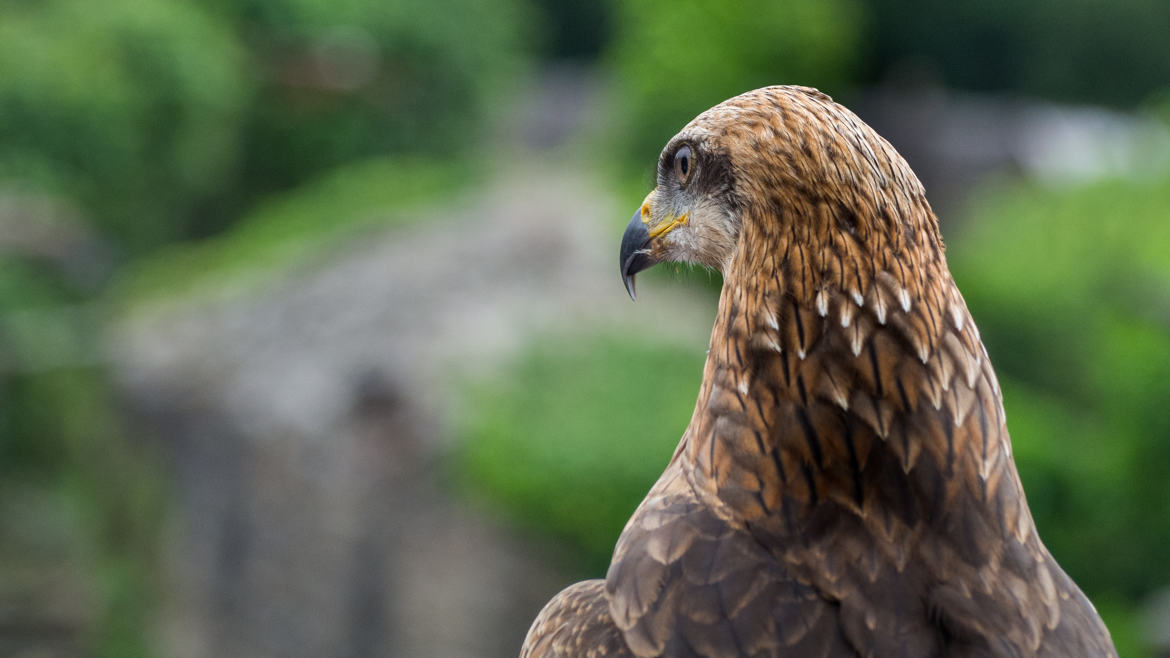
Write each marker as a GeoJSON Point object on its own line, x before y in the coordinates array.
{"type": "Point", "coordinates": [575, 624]}
{"type": "Point", "coordinates": [686, 582]}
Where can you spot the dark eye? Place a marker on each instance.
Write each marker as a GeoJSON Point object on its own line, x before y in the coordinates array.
{"type": "Point", "coordinates": [683, 164]}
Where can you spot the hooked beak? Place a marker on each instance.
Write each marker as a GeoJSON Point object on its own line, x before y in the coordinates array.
{"type": "Point", "coordinates": [635, 255]}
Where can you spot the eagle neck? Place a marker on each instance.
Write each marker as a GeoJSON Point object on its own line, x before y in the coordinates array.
{"type": "Point", "coordinates": [822, 380]}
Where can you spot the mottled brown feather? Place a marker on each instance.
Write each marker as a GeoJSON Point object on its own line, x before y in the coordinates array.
{"type": "Point", "coordinates": [576, 624]}
{"type": "Point", "coordinates": [845, 486]}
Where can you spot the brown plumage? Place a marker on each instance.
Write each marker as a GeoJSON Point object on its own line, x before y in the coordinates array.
{"type": "Point", "coordinates": [846, 485]}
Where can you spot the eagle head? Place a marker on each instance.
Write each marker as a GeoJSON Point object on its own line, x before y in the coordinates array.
{"type": "Point", "coordinates": [777, 160]}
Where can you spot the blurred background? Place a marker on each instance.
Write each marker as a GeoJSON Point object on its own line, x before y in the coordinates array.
{"type": "Point", "coordinates": [312, 340]}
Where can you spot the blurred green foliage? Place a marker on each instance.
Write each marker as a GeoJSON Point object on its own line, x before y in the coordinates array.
{"type": "Point", "coordinates": [1081, 339]}
{"type": "Point", "coordinates": [572, 437]}
{"type": "Point", "coordinates": [1077, 50]}
{"type": "Point", "coordinates": [289, 227]}
{"type": "Point", "coordinates": [133, 111]}
{"type": "Point", "coordinates": [350, 79]}
{"type": "Point", "coordinates": [26, 288]}
{"type": "Point", "coordinates": [60, 430]}
{"type": "Point", "coordinates": [163, 120]}
{"type": "Point", "coordinates": [674, 59]}
{"type": "Point", "coordinates": [571, 30]}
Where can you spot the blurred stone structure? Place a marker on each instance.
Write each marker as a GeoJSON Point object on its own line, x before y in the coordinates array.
{"type": "Point", "coordinates": [302, 422]}
{"type": "Point", "coordinates": [954, 139]}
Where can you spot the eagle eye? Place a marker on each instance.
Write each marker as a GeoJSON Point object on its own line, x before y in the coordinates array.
{"type": "Point", "coordinates": [683, 165]}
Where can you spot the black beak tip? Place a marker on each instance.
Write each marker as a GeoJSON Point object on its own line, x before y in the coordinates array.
{"type": "Point", "coordinates": [634, 255]}
{"type": "Point", "coordinates": [628, 279]}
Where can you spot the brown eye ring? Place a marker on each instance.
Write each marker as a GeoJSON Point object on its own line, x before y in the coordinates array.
{"type": "Point", "coordinates": [684, 164]}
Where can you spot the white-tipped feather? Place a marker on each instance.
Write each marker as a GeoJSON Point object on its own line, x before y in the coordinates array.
{"type": "Point", "coordinates": [904, 299]}
{"type": "Point", "coordinates": [846, 315]}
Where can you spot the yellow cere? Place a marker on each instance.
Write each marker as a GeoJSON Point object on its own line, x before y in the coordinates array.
{"type": "Point", "coordinates": [646, 212]}
{"type": "Point", "coordinates": [668, 224]}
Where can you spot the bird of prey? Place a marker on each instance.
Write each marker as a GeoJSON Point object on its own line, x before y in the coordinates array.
{"type": "Point", "coordinates": [846, 484]}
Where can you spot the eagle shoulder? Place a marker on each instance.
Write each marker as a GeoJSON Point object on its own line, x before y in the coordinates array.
{"type": "Point", "coordinates": [686, 582]}
{"type": "Point", "coordinates": [575, 624]}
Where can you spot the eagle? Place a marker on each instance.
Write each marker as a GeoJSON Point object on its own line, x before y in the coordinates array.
{"type": "Point", "coordinates": [846, 485]}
